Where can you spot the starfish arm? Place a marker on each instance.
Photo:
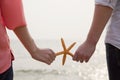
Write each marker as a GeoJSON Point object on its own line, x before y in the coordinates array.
{"type": "Point", "coordinates": [64, 58]}
{"type": "Point", "coordinates": [63, 44]}
{"type": "Point", "coordinates": [71, 46]}
{"type": "Point", "coordinates": [70, 54]}
{"type": "Point", "coordinates": [59, 53]}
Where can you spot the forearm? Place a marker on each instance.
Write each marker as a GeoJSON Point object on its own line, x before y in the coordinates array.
{"type": "Point", "coordinates": [101, 17]}
{"type": "Point", "coordinates": [44, 55]}
{"type": "Point", "coordinates": [24, 36]}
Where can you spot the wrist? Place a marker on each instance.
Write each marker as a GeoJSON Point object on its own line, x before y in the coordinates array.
{"type": "Point", "coordinates": [91, 41]}
{"type": "Point", "coordinates": [32, 48]}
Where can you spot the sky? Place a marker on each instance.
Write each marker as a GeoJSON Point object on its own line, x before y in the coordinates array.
{"type": "Point", "coordinates": [53, 19]}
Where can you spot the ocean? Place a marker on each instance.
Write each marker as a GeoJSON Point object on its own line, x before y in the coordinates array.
{"type": "Point", "coordinates": [26, 68]}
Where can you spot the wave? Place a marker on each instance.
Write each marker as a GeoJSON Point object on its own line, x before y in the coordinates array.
{"type": "Point", "coordinates": [47, 72]}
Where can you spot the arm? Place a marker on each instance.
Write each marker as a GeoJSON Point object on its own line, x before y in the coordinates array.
{"type": "Point", "coordinates": [13, 16]}
{"type": "Point", "coordinates": [44, 55]}
{"type": "Point", "coordinates": [101, 17]}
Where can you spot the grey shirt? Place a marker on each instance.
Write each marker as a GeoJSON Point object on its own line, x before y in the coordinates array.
{"type": "Point", "coordinates": [113, 31]}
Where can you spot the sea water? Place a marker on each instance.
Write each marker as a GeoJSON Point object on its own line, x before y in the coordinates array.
{"type": "Point", "coordinates": [26, 68]}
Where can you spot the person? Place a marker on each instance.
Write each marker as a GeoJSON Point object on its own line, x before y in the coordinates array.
{"type": "Point", "coordinates": [12, 17]}
{"type": "Point", "coordinates": [105, 11]}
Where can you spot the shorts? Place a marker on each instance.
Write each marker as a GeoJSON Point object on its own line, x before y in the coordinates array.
{"type": "Point", "coordinates": [7, 75]}
{"type": "Point", "coordinates": [113, 62]}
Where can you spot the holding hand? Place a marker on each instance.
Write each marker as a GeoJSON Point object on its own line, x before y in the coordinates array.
{"type": "Point", "coordinates": [100, 19]}
{"type": "Point", "coordinates": [44, 55]}
{"type": "Point", "coordinates": [84, 52]}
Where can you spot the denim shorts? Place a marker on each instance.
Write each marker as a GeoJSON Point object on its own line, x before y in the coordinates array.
{"type": "Point", "coordinates": [7, 75]}
{"type": "Point", "coordinates": [113, 62]}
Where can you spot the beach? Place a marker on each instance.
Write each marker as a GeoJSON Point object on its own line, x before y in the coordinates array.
{"type": "Point", "coordinates": [25, 68]}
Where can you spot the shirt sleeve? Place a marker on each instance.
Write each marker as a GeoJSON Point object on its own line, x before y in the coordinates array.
{"type": "Point", "coordinates": [109, 3]}
{"type": "Point", "coordinates": [12, 13]}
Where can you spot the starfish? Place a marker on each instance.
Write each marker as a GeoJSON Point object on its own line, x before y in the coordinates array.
{"type": "Point", "coordinates": [65, 51]}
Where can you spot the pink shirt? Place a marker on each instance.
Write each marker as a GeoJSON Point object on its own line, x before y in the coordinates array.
{"type": "Point", "coordinates": [11, 16]}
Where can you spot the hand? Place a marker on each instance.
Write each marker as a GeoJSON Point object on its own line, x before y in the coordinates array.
{"type": "Point", "coordinates": [84, 52]}
{"type": "Point", "coordinates": [44, 55]}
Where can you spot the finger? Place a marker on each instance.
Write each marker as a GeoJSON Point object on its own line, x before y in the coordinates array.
{"type": "Point", "coordinates": [75, 56]}
{"type": "Point", "coordinates": [52, 55]}
{"type": "Point", "coordinates": [44, 60]}
{"type": "Point", "coordinates": [87, 59]}
{"type": "Point", "coordinates": [49, 59]}
{"type": "Point", "coordinates": [81, 59]}
{"type": "Point", "coordinates": [49, 63]}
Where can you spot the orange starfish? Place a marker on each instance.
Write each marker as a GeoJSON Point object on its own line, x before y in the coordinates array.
{"type": "Point", "coordinates": [65, 51]}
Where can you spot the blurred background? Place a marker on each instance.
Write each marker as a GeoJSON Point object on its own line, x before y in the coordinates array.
{"type": "Point", "coordinates": [48, 21]}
